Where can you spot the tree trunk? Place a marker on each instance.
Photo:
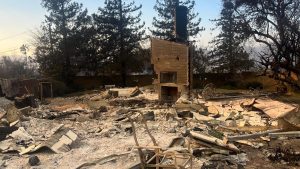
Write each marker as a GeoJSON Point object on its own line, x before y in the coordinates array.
{"type": "Point", "coordinates": [66, 67]}
{"type": "Point", "coordinates": [122, 52]}
{"type": "Point", "coordinates": [124, 75]}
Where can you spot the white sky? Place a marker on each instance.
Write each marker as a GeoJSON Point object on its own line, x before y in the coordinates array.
{"type": "Point", "coordinates": [21, 18]}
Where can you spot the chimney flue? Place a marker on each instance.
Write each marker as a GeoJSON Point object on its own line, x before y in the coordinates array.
{"type": "Point", "coordinates": [181, 24]}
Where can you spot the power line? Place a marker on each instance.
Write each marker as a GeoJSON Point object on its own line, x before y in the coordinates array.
{"type": "Point", "coordinates": [11, 50]}
{"type": "Point", "coordinates": [12, 36]}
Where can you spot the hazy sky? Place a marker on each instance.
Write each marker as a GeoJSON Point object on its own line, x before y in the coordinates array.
{"type": "Point", "coordinates": [19, 18]}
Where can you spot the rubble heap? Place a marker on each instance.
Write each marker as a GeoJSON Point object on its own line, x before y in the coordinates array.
{"type": "Point", "coordinates": [130, 128]}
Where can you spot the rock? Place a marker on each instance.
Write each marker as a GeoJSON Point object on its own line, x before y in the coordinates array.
{"type": "Point", "coordinates": [154, 127]}
{"type": "Point", "coordinates": [171, 130]}
{"type": "Point", "coordinates": [12, 114]}
{"type": "Point", "coordinates": [122, 111]}
{"type": "Point", "coordinates": [183, 99]}
{"type": "Point", "coordinates": [96, 98]}
{"type": "Point", "coordinates": [106, 95]}
{"type": "Point", "coordinates": [82, 118]}
{"type": "Point", "coordinates": [6, 157]}
{"type": "Point", "coordinates": [230, 123]}
{"type": "Point", "coordinates": [240, 159]}
{"type": "Point", "coordinates": [4, 122]}
{"type": "Point", "coordinates": [26, 111]}
{"type": "Point", "coordinates": [213, 109]}
{"type": "Point", "coordinates": [34, 161]}
{"type": "Point", "coordinates": [96, 115]}
{"type": "Point", "coordinates": [170, 117]}
{"type": "Point", "coordinates": [149, 116]}
{"type": "Point", "coordinates": [213, 165]}
{"type": "Point", "coordinates": [128, 129]}
{"type": "Point", "coordinates": [2, 113]}
{"type": "Point", "coordinates": [185, 114]}
{"type": "Point", "coordinates": [3, 164]}
{"type": "Point", "coordinates": [109, 132]}
{"type": "Point", "coordinates": [4, 102]}
{"type": "Point", "coordinates": [102, 109]}
{"type": "Point", "coordinates": [201, 117]}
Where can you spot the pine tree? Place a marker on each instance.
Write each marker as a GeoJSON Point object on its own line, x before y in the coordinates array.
{"type": "Point", "coordinates": [228, 55]}
{"type": "Point", "coordinates": [120, 31]}
{"type": "Point", "coordinates": [164, 23]}
{"type": "Point", "coordinates": [59, 43]}
{"type": "Point", "coordinates": [200, 60]}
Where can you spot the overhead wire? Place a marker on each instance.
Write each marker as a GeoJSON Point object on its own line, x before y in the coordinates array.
{"type": "Point", "coordinates": [13, 36]}
{"type": "Point", "coordinates": [11, 50]}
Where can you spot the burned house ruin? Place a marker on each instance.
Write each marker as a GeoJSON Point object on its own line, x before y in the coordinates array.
{"type": "Point", "coordinates": [172, 61]}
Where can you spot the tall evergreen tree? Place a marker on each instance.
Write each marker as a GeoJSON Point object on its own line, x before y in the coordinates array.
{"type": "Point", "coordinates": [59, 44]}
{"type": "Point", "coordinates": [200, 60]}
{"type": "Point", "coordinates": [120, 31]}
{"type": "Point", "coordinates": [228, 54]}
{"type": "Point", "coordinates": [164, 23]}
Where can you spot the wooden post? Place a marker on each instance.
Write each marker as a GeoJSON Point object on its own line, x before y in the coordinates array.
{"type": "Point", "coordinates": [142, 158]}
{"type": "Point", "coordinates": [148, 131]}
{"type": "Point", "coordinates": [157, 158]}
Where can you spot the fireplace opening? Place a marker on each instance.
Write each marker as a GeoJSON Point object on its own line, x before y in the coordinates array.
{"type": "Point", "coordinates": [169, 94]}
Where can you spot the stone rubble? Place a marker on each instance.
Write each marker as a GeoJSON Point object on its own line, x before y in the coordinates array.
{"type": "Point", "coordinates": [99, 124]}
